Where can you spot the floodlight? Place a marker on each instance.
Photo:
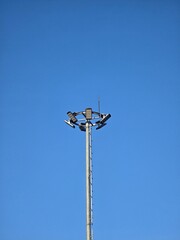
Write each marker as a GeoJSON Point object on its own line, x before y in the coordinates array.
{"type": "Point", "coordinates": [72, 116]}
{"type": "Point", "coordinates": [88, 113]}
{"type": "Point", "coordinates": [82, 128]}
{"type": "Point", "coordinates": [69, 123]}
{"type": "Point", "coordinates": [101, 125]}
{"type": "Point", "coordinates": [105, 118]}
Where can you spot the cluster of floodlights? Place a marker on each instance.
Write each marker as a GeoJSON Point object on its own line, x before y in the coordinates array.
{"type": "Point", "coordinates": [81, 118]}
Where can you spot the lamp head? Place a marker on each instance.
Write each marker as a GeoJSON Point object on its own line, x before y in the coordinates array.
{"type": "Point", "coordinates": [82, 128]}
{"type": "Point", "coordinates": [101, 125]}
{"type": "Point", "coordinates": [69, 123]}
{"type": "Point", "coordinates": [88, 112]}
{"type": "Point", "coordinates": [105, 118]}
{"type": "Point", "coordinates": [72, 117]}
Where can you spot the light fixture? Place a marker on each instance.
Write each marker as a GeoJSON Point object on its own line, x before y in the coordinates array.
{"type": "Point", "coordinates": [105, 118]}
{"type": "Point", "coordinates": [88, 113]}
{"type": "Point", "coordinates": [69, 123]}
{"type": "Point", "coordinates": [101, 125]}
{"type": "Point", "coordinates": [72, 117]}
{"type": "Point", "coordinates": [82, 128]}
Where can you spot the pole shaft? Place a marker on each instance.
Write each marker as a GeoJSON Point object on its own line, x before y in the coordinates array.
{"type": "Point", "coordinates": [88, 183]}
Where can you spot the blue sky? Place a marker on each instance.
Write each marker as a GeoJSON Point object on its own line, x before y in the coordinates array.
{"type": "Point", "coordinates": [58, 56]}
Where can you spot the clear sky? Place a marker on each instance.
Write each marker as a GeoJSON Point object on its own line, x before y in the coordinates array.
{"type": "Point", "coordinates": [57, 56]}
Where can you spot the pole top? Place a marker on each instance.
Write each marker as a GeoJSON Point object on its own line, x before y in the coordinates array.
{"type": "Point", "coordinates": [80, 118]}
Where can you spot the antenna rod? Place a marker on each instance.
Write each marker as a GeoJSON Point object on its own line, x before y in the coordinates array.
{"type": "Point", "coordinates": [99, 104]}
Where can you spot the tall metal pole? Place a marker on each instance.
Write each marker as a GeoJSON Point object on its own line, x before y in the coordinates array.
{"type": "Point", "coordinates": [88, 183]}
{"type": "Point", "coordinates": [90, 119]}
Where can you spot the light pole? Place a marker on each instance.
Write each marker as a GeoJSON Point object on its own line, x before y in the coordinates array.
{"type": "Point", "coordinates": [85, 120]}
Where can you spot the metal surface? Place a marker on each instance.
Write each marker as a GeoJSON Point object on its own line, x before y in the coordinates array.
{"type": "Point", "coordinates": [88, 184]}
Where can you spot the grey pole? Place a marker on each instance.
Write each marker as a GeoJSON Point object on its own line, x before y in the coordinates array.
{"type": "Point", "coordinates": [90, 119]}
{"type": "Point", "coordinates": [88, 183]}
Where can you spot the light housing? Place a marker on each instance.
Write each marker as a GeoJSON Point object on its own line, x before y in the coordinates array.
{"type": "Point", "coordinates": [82, 127]}
{"type": "Point", "coordinates": [88, 113]}
{"type": "Point", "coordinates": [72, 117]}
{"type": "Point", "coordinates": [101, 125]}
{"type": "Point", "coordinates": [69, 123]}
{"type": "Point", "coordinates": [105, 118]}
